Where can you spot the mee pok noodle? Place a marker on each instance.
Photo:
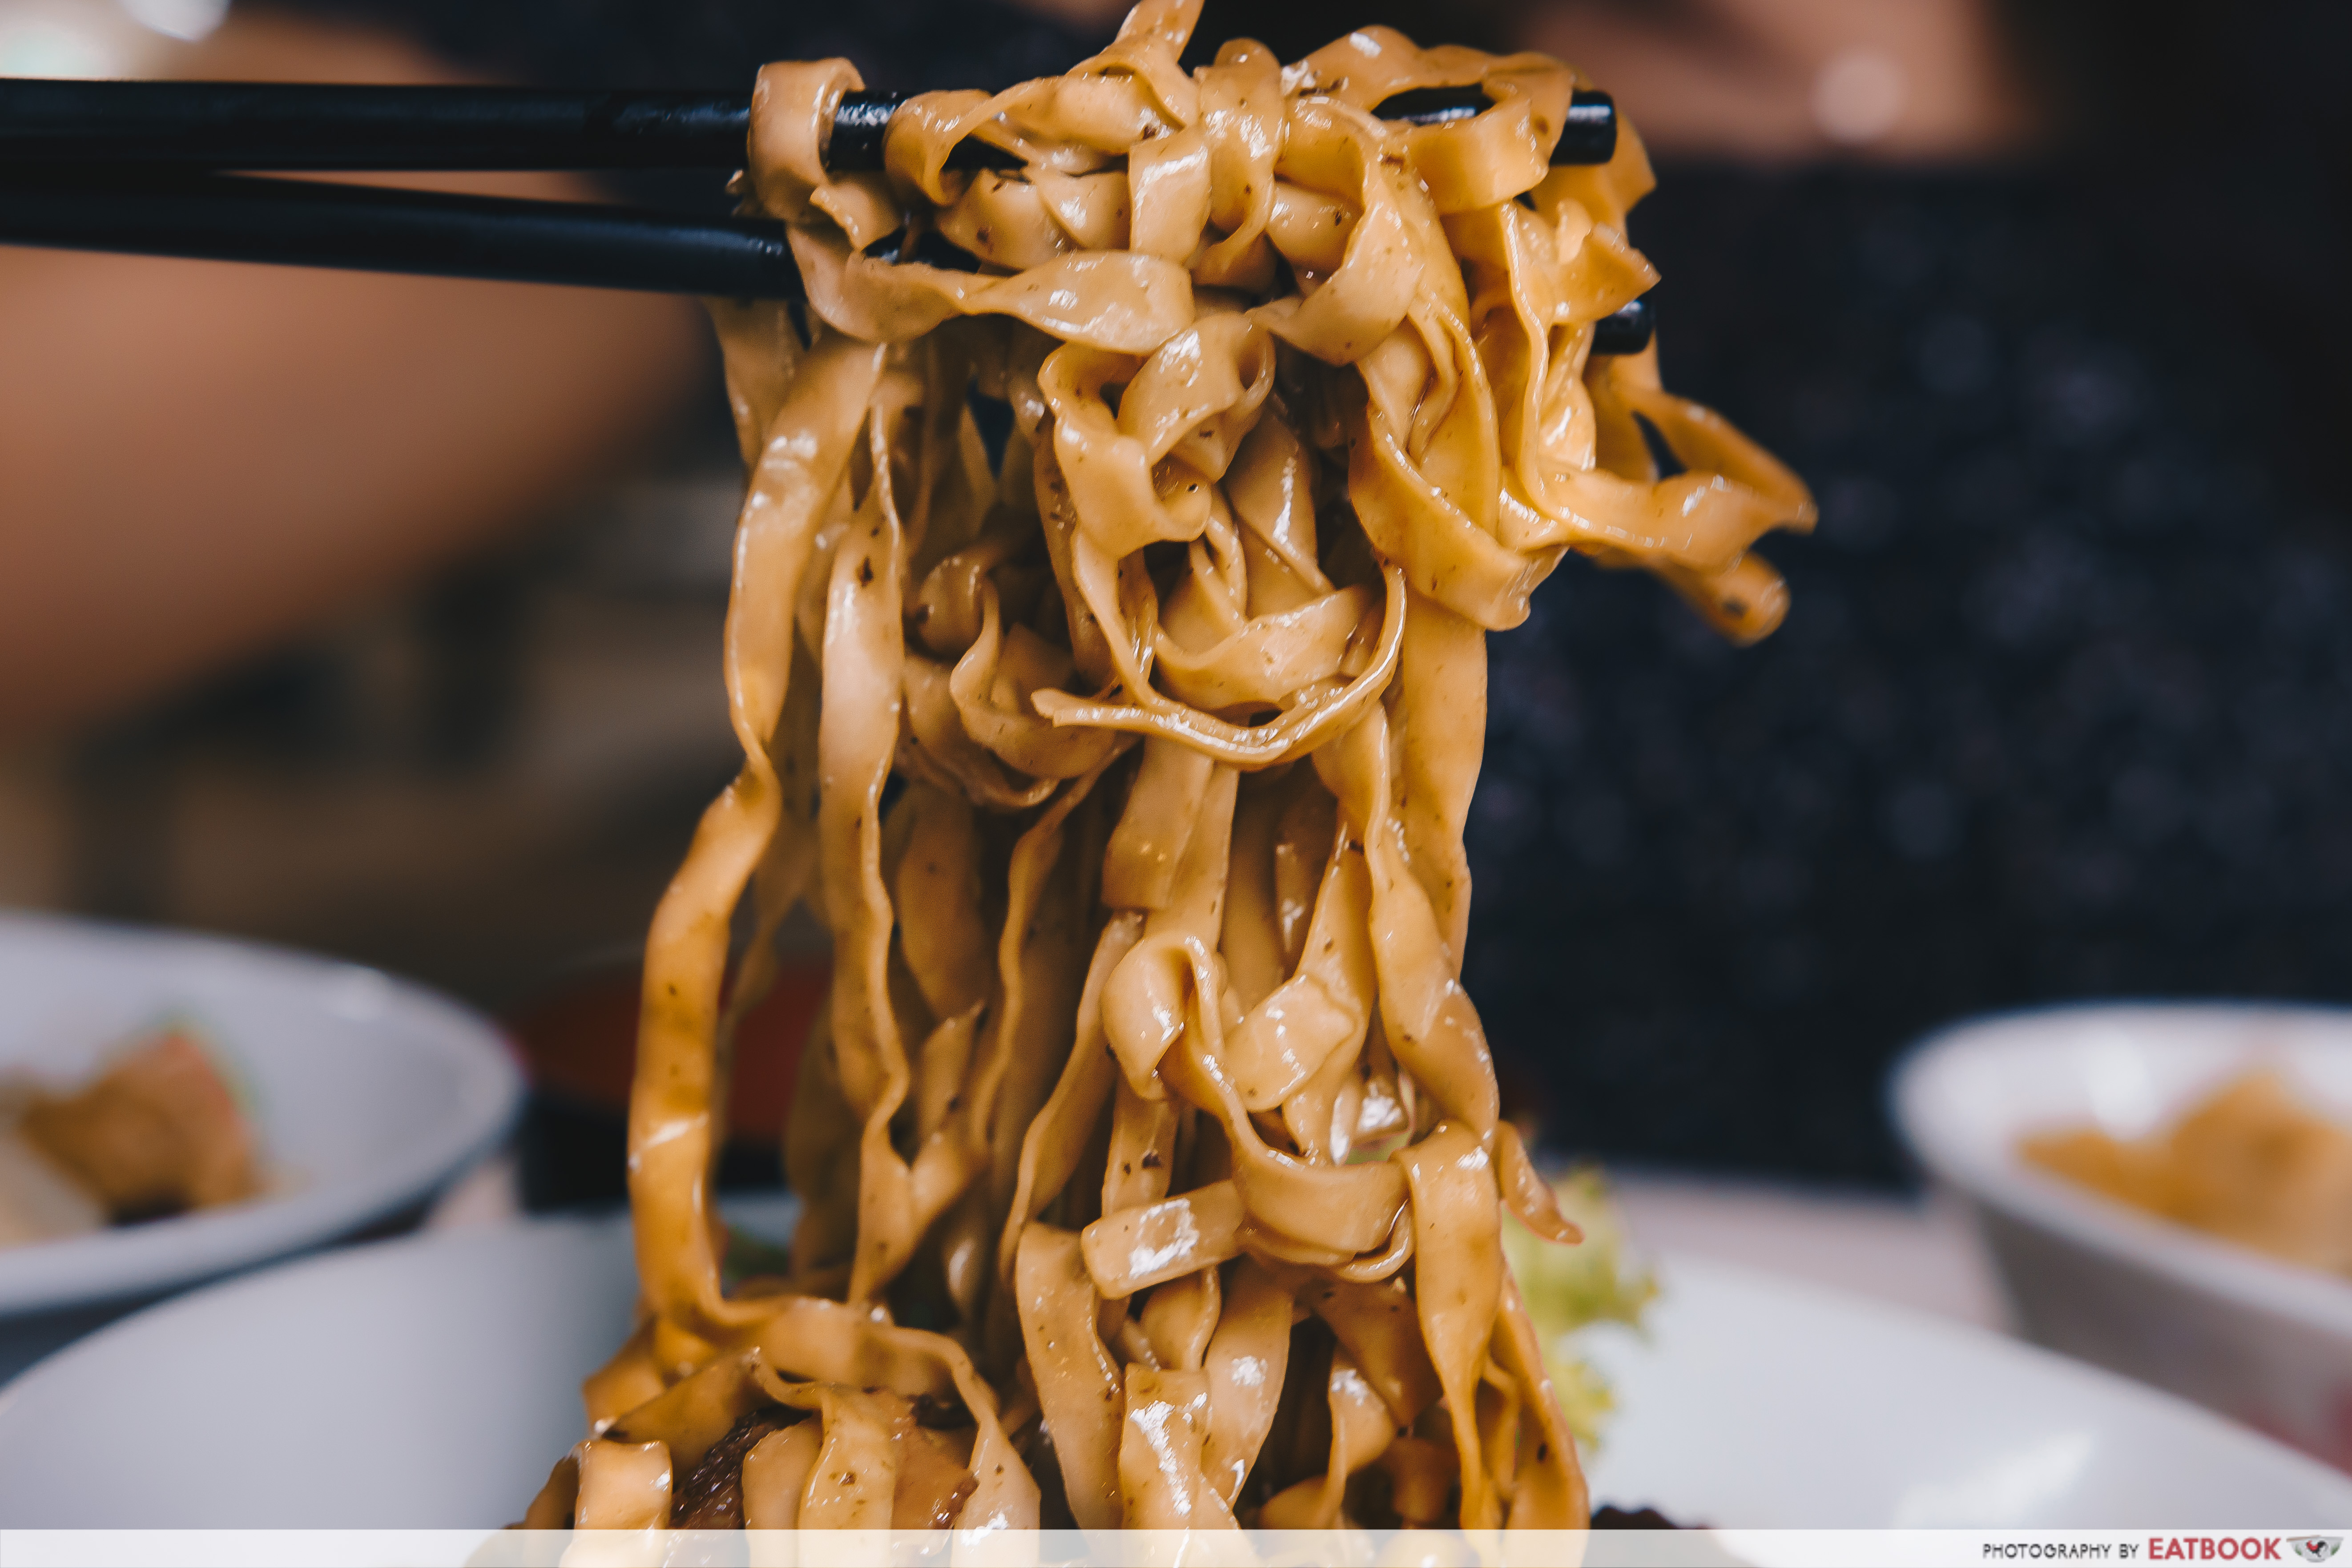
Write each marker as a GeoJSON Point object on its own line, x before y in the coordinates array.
{"type": "Point", "coordinates": [1149, 1146]}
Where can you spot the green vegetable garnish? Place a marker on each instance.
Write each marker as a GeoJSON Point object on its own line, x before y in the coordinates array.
{"type": "Point", "coordinates": [1567, 1288]}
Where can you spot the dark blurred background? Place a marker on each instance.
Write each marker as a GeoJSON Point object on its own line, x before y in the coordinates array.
{"type": "Point", "coordinates": [2043, 300]}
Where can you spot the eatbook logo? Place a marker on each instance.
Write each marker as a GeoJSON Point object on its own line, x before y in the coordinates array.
{"type": "Point", "coordinates": [2316, 1548]}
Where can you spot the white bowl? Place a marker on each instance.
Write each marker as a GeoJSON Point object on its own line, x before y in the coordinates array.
{"type": "Point", "coordinates": [2264, 1342]}
{"type": "Point", "coordinates": [434, 1380]}
{"type": "Point", "coordinates": [368, 1095]}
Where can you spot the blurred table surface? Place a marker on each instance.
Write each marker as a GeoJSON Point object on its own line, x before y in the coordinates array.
{"type": "Point", "coordinates": [1908, 1252]}
{"type": "Point", "coordinates": [1912, 1252]}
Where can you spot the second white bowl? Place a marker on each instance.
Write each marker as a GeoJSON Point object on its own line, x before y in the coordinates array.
{"type": "Point", "coordinates": [2263, 1340]}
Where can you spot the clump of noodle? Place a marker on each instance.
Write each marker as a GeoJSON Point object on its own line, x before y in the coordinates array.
{"type": "Point", "coordinates": [1147, 1038]}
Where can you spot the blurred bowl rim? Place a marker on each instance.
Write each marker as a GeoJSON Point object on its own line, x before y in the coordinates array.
{"type": "Point", "coordinates": [115, 1265]}
{"type": "Point", "coordinates": [1983, 1165]}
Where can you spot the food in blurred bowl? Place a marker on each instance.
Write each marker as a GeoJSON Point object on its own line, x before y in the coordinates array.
{"type": "Point", "coordinates": [2249, 1163]}
{"type": "Point", "coordinates": [158, 1133]}
{"type": "Point", "coordinates": [2142, 1174]}
{"type": "Point", "coordinates": [364, 1094]}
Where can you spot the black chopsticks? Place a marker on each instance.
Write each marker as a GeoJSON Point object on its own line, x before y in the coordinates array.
{"type": "Point", "coordinates": [285, 126]}
{"type": "Point", "coordinates": [289, 126]}
{"type": "Point", "coordinates": [134, 168]}
{"type": "Point", "coordinates": [369, 228]}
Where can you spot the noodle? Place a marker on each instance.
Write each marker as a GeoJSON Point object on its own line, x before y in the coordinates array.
{"type": "Point", "coordinates": [1150, 1147]}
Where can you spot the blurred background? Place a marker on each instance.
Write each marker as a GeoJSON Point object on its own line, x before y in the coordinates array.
{"type": "Point", "coordinates": [381, 615]}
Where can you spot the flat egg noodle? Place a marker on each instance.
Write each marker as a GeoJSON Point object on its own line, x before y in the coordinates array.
{"type": "Point", "coordinates": [671, 1142]}
{"type": "Point", "coordinates": [1149, 1145]}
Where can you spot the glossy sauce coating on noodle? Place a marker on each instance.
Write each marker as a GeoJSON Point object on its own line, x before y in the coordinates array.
{"type": "Point", "coordinates": [1150, 1146]}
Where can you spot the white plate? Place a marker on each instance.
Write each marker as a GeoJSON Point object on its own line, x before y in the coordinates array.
{"type": "Point", "coordinates": [2261, 1340]}
{"type": "Point", "coordinates": [1760, 1404]}
{"type": "Point", "coordinates": [369, 1094]}
{"type": "Point", "coordinates": [433, 1382]}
